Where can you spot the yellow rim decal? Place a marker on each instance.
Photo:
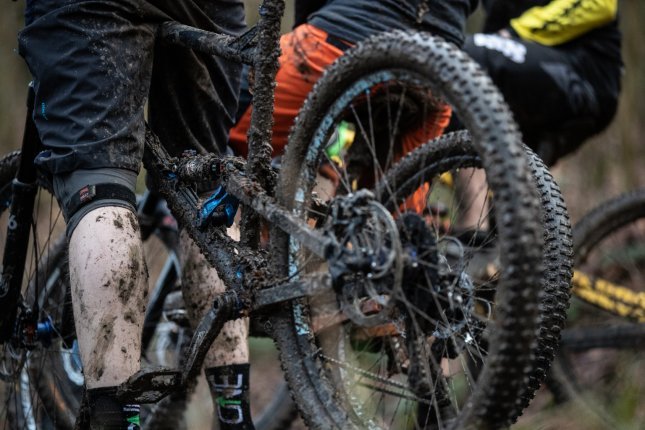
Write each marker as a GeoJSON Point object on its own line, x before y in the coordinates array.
{"type": "Point", "coordinates": [611, 297]}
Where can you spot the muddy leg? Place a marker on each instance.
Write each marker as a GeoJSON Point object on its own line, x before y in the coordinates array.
{"type": "Point", "coordinates": [200, 286]}
{"type": "Point", "coordinates": [109, 278]}
{"type": "Point", "coordinates": [226, 363]}
{"type": "Point", "coordinates": [473, 195]}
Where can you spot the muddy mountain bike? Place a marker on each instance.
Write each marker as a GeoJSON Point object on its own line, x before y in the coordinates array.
{"type": "Point", "coordinates": [383, 319]}
{"type": "Point", "coordinates": [166, 326]}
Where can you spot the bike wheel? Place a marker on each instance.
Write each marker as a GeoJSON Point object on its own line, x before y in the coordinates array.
{"type": "Point", "coordinates": [601, 364]}
{"type": "Point", "coordinates": [21, 406]}
{"type": "Point", "coordinates": [455, 151]}
{"type": "Point", "coordinates": [342, 365]}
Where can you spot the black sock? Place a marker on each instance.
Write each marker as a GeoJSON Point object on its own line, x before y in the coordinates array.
{"type": "Point", "coordinates": [230, 390]}
{"type": "Point", "coordinates": [107, 413]}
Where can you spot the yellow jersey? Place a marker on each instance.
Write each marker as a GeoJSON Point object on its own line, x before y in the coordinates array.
{"type": "Point", "coordinates": [561, 21]}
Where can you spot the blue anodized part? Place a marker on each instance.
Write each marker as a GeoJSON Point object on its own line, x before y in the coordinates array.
{"type": "Point", "coordinates": [45, 331]}
{"type": "Point", "coordinates": [219, 198]}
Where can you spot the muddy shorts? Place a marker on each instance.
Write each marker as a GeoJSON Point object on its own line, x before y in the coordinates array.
{"type": "Point", "coordinates": [95, 63]}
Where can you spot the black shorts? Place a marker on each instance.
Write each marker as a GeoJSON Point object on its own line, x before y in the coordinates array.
{"type": "Point", "coordinates": [560, 96]}
{"type": "Point", "coordinates": [95, 63]}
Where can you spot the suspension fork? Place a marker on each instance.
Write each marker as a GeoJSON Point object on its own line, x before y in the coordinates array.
{"type": "Point", "coordinates": [23, 195]}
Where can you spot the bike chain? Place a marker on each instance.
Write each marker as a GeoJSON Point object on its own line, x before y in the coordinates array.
{"type": "Point", "coordinates": [370, 375]}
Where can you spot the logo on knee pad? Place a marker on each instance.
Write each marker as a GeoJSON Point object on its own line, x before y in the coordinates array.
{"type": "Point", "coordinates": [87, 193]}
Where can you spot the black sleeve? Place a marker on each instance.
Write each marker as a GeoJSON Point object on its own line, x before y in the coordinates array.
{"type": "Point", "coordinates": [500, 12]}
{"type": "Point", "coordinates": [304, 8]}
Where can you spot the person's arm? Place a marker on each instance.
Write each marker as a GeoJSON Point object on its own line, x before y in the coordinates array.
{"type": "Point", "coordinates": [500, 12]}
{"type": "Point", "coordinates": [563, 20]}
{"type": "Point", "coordinates": [304, 8]}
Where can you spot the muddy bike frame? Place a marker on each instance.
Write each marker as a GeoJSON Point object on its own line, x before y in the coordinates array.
{"type": "Point", "coordinates": [251, 286]}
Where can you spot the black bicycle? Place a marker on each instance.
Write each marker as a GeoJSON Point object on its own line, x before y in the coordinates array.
{"type": "Point", "coordinates": [384, 316]}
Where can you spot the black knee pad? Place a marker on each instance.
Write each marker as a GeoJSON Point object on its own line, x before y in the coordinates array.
{"type": "Point", "coordinates": [82, 191]}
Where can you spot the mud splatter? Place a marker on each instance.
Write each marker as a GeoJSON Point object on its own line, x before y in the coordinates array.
{"type": "Point", "coordinates": [134, 223]}
{"type": "Point", "coordinates": [127, 281]}
{"type": "Point", "coordinates": [130, 316]}
{"type": "Point", "coordinates": [118, 222]}
{"type": "Point", "coordinates": [79, 293]}
{"type": "Point", "coordinates": [105, 338]}
{"type": "Point", "coordinates": [135, 262]}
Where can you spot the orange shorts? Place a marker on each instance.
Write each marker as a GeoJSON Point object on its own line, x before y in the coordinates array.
{"type": "Point", "coordinates": [305, 55]}
{"type": "Point", "coordinates": [431, 128]}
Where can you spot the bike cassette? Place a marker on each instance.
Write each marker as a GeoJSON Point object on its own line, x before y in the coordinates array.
{"type": "Point", "coordinates": [367, 262]}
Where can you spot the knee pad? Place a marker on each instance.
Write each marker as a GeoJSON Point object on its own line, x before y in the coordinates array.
{"type": "Point", "coordinates": [83, 190]}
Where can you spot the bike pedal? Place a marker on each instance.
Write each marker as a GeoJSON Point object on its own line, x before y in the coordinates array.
{"type": "Point", "coordinates": [149, 385]}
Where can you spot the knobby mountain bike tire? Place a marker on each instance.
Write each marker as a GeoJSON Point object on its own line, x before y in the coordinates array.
{"type": "Point", "coordinates": [601, 362]}
{"type": "Point", "coordinates": [394, 83]}
{"type": "Point", "coordinates": [455, 150]}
